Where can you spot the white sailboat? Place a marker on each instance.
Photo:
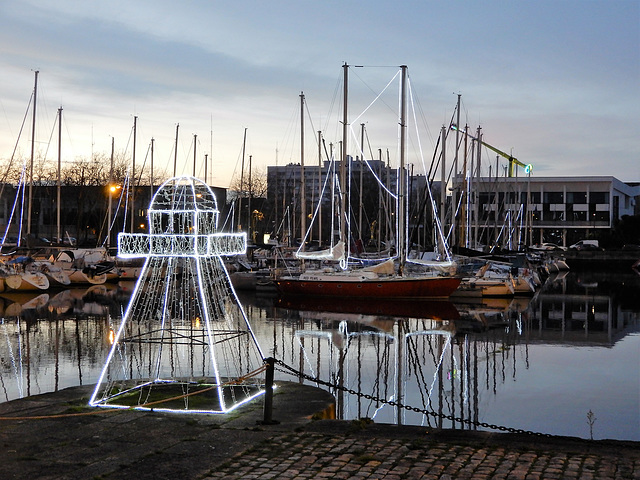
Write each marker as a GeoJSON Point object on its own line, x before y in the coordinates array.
{"type": "Point", "coordinates": [57, 276]}
{"type": "Point", "coordinates": [82, 265]}
{"type": "Point", "coordinates": [23, 275]}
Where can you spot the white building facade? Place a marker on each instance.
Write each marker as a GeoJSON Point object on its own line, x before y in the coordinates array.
{"type": "Point", "coordinates": [510, 212]}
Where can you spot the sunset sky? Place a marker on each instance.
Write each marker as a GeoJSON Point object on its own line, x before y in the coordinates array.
{"type": "Point", "coordinates": [555, 83]}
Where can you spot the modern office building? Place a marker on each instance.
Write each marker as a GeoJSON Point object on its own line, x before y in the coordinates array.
{"type": "Point", "coordinates": [507, 212]}
{"type": "Point", "coordinates": [511, 211]}
{"type": "Point", "coordinates": [371, 196]}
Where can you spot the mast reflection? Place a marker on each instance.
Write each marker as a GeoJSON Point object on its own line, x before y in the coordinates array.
{"type": "Point", "coordinates": [450, 359]}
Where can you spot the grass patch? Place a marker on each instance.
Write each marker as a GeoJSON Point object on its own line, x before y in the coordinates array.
{"type": "Point", "coordinates": [360, 424]}
{"type": "Point", "coordinates": [417, 444]}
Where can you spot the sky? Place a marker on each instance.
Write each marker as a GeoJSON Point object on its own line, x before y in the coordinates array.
{"type": "Point", "coordinates": [554, 83]}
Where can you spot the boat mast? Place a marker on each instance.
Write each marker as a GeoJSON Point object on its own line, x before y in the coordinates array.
{"type": "Point", "coordinates": [151, 176]}
{"type": "Point", "coordinates": [250, 225]}
{"type": "Point", "coordinates": [175, 151]}
{"type": "Point", "coordinates": [402, 254]}
{"type": "Point", "coordinates": [195, 137]}
{"type": "Point", "coordinates": [33, 143]}
{"type": "Point", "coordinates": [244, 143]}
{"type": "Point", "coordinates": [111, 191]}
{"type": "Point", "coordinates": [133, 177]}
{"type": "Point", "coordinates": [303, 197]}
{"type": "Point", "coordinates": [443, 189]}
{"type": "Point", "coordinates": [343, 163]}
{"type": "Point", "coordinates": [277, 184]}
{"type": "Point", "coordinates": [58, 238]}
{"type": "Point", "coordinates": [380, 166]}
{"type": "Point", "coordinates": [454, 196]}
{"type": "Point", "coordinates": [361, 175]}
{"type": "Point", "coordinates": [320, 188]}
{"type": "Point", "coordinates": [476, 194]}
{"type": "Point", "coordinates": [464, 216]}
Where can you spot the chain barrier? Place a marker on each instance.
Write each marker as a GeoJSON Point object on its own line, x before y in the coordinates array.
{"type": "Point", "coordinates": [290, 370]}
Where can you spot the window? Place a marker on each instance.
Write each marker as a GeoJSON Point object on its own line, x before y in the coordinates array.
{"type": "Point", "coordinates": [553, 197]}
{"type": "Point", "coordinates": [599, 197]}
{"type": "Point", "coordinates": [576, 197]}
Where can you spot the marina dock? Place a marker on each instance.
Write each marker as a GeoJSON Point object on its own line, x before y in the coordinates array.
{"type": "Point", "coordinates": [56, 436]}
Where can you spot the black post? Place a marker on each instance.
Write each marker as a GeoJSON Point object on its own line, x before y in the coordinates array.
{"type": "Point", "coordinates": [268, 392]}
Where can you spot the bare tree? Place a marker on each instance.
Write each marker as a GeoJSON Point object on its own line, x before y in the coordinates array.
{"type": "Point", "coordinates": [256, 189]}
{"type": "Point", "coordinates": [85, 181]}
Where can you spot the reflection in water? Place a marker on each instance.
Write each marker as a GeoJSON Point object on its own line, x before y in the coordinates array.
{"type": "Point", "coordinates": [52, 341]}
{"type": "Point", "coordinates": [536, 363]}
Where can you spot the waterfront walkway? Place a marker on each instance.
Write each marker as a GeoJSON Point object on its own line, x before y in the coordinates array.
{"type": "Point", "coordinates": [55, 436]}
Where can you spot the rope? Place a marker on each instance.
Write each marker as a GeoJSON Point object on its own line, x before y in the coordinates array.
{"type": "Point", "coordinates": [254, 373]}
{"type": "Point", "coordinates": [213, 387]}
{"type": "Point", "coordinates": [61, 415]}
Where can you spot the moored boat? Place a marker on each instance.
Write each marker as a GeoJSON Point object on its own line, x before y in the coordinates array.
{"type": "Point", "coordinates": [57, 276]}
{"type": "Point", "coordinates": [27, 281]}
{"type": "Point", "coordinates": [23, 275]}
{"type": "Point", "coordinates": [388, 279]}
{"type": "Point", "coordinates": [360, 285]}
{"type": "Point", "coordinates": [85, 266]}
{"type": "Point", "coordinates": [484, 287]}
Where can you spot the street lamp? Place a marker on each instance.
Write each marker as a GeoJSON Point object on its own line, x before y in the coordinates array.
{"type": "Point", "coordinates": [111, 191]}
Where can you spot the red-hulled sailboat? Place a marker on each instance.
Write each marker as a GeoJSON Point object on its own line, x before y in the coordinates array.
{"type": "Point", "coordinates": [385, 280]}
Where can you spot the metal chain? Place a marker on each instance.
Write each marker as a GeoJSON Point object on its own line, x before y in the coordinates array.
{"type": "Point", "coordinates": [293, 371]}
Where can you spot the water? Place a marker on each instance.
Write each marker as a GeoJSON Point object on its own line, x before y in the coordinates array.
{"type": "Point", "coordinates": [539, 364]}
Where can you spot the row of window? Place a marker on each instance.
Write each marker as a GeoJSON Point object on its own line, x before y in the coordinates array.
{"type": "Point", "coordinates": [557, 216]}
{"type": "Point", "coordinates": [546, 197]}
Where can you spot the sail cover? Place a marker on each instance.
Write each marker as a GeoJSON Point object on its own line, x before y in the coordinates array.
{"type": "Point", "coordinates": [334, 253]}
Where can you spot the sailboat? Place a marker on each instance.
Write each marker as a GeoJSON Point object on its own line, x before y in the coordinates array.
{"type": "Point", "coordinates": [85, 265]}
{"type": "Point", "coordinates": [23, 275]}
{"type": "Point", "coordinates": [383, 280]}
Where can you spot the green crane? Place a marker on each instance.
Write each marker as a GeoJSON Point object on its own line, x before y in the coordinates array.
{"type": "Point", "coordinates": [510, 158]}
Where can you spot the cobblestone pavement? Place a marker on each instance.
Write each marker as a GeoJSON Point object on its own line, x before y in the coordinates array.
{"type": "Point", "coordinates": [56, 437]}
{"type": "Point", "coordinates": [318, 455]}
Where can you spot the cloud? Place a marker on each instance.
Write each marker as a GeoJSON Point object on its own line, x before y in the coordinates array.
{"type": "Point", "coordinates": [556, 81]}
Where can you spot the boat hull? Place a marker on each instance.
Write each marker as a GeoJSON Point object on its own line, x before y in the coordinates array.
{"type": "Point", "coordinates": [400, 287]}
{"type": "Point", "coordinates": [79, 277]}
{"type": "Point", "coordinates": [27, 281]}
{"type": "Point", "coordinates": [484, 288]}
{"type": "Point", "coordinates": [58, 278]}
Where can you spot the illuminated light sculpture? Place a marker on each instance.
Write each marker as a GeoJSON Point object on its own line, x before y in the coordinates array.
{"type": "Point", "coordinates": [184, 343]}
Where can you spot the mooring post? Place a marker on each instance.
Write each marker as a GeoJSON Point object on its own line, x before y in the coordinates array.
{"type": "Point", "coordinates": [268, 391]}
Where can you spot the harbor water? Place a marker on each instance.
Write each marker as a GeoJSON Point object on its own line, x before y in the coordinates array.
{"type": "Point", "coordinates": [563, 362]}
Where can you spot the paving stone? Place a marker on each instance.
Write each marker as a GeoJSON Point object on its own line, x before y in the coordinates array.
{"type": "Point", "coordinates": [156, 446]}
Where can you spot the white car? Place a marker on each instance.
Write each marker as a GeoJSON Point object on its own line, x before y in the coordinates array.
{"type": "Point", "coordinates": [547, 247]}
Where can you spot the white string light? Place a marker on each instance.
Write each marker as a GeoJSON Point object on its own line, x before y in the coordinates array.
{"type": "Point", "coordinates": [184, 328]}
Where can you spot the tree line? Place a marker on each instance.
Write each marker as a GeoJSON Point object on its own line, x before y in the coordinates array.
{"type": "Point", "coordinates": [95, 170]}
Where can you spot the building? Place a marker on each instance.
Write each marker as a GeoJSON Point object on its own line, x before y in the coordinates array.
{"type": "Point", "coordinates": [371, 195]}
{"type": "Point", "coordinates": [510, 212]}
{"type": "Point", "coordinates": [84, 212]}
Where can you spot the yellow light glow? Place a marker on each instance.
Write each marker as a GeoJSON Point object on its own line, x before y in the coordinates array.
{"type": "Point", "coordinates": [112, 336]}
